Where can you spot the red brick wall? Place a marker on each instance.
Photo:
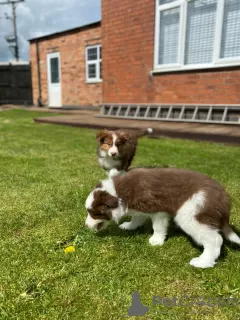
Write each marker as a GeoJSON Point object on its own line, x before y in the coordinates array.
{"type": "Point", "coordinates": [75, 90]}
{"type": "Point", "coordinates": [128, 45]}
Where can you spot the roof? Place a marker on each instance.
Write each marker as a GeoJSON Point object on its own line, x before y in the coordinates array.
{"type": "Point", "coordinates": [14, 63]}
{"type": "Point", "coordinates": [85, 26]}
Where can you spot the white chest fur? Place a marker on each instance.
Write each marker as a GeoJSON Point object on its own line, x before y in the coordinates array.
{"type": "Point", "coordinates": [108, 163]}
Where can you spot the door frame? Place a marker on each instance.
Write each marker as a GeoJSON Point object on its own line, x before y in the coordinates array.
{"type": "Point", "coordinates": [49, 56]}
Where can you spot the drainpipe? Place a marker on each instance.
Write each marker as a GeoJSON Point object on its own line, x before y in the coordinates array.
{"type": "Point", "coordinates": [40, 103]}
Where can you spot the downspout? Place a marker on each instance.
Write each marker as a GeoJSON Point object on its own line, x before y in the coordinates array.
{"type": "Point", "coordinates": [40, 103]}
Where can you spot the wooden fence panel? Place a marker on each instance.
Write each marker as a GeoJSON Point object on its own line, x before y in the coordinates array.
{"type": "Point", "coordinates": [15, 84]}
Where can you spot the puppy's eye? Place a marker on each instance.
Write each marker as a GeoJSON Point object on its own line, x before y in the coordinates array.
{"type": "Point", "coordinates": [108, 143]}
{"type": "Point", "coordinates": [104, 208]}
{"type": "Point", "coordinates": [118, 143]}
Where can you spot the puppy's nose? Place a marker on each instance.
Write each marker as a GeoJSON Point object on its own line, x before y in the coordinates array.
{"type": "Point", "coordinates": [114, 154]}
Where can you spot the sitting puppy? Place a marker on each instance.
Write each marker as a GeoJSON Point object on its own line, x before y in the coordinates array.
{"type": "Point", "coordinates": [198, 204]}
{"type": "Point", "coordinates": [116, 149]}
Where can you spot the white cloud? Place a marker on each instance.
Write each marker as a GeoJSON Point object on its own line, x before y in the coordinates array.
{"type": "Point", "coordinates": [38, 17]}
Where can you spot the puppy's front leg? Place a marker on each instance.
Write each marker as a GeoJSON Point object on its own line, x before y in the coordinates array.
{"type": "Point", "coordinates": [160, 224]}
{"type": "Point", "coordinates": [137, 221]}
{"type": "Point", "coordinates": [114, 172]}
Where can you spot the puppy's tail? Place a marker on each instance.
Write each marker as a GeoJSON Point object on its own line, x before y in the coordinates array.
{"type": "Point", "coordinates": [143, 132]}
{"type": "Point", "coordinates": [230, 234]}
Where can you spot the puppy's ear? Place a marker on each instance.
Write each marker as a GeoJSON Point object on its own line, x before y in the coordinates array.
{"type": "Point", "coordinates": [112, 202]}
{"type": "Point", "coordinates": [109, 200]}
{"type": "Point", "coordinates": [101, 135]}
{"type": "Point", "coordinates": [124, 137]}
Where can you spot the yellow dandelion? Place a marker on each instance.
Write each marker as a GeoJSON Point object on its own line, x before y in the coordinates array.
{"type": "Point", "coordinates": [69, 249]}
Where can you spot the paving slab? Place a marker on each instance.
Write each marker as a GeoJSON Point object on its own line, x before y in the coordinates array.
{"type": "Point", "coordinates": [196, 131]}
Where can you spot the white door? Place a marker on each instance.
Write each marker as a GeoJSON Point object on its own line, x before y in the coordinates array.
{"type": "Point", "coordinates": [54, 80]}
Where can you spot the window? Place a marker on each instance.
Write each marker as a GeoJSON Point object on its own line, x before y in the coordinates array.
{"type": "Point", "coordinates": [54, 70]}
{"type": "Point", "coordinates": [195, 34]}
{"type": "Point", "coordinates": [94, 63]}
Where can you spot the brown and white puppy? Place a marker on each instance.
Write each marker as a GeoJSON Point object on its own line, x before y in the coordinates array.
{"type": "Point", "coordinates": [116, 149]}
{"type": "Point", "coordinates": [198, 204]}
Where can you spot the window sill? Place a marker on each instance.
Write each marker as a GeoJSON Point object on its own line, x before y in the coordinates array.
{"type": "Point", "coordinates": [93, 81]}
{"type": "Point", "coordinates": [194, 67]}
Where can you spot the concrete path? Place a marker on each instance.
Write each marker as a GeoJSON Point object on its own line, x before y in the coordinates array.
{"type": "Point", "coordinates": [196, 131]}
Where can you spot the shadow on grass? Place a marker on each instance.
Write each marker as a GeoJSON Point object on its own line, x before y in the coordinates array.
{"type": "Point", "coordinates": [114, 232]}
{"type": "Point", "coordinates": [173, 232]}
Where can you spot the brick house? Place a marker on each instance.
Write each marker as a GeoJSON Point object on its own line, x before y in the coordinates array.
{"type": "Point", "coordinates": [154, 51]}
{"type": "Point", "coordinates": [60, 76]}
{"type": "Point", "coordinates": [185, 60]}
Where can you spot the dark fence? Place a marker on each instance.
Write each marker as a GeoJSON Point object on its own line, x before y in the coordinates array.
{"type": "Point", "coordinates": [15, 84]}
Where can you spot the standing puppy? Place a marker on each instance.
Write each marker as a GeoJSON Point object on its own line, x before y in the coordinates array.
{"type": "Point", "coordinates": [198, 204]}
{"type": "Point", "coordinates": [116, 149]}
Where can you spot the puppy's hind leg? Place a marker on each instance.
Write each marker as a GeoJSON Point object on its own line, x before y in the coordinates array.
{"type": "Point", "coordinates": [212, 242]}
{"type": "Point", "coordinates": [201, 233]}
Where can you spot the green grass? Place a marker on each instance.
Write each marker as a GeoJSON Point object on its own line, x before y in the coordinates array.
{"type": "Point", "coordinates": [46, 173]}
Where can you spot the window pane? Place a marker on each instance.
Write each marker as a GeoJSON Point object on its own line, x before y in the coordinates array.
{"type": "Point", "coordinates": [100, 70]}
{"type": "Point", "coordinates": [54, 65]}
{"type": "Point", "coordinates": [200, 35]}
{"type": "Point", "coordinates": [165, 1]}
{"type": "Point", "coordinates": [169, 36]}
{"type": "Point", "coordinates": [92, 71]}
{"type": "Point", "coordinates": [92, 53]}
{"type": "Point", "coordinates": [230, 46]}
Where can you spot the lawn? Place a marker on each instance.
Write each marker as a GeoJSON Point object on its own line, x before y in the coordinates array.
{"type": "Point", "coordinates": [46, 173]}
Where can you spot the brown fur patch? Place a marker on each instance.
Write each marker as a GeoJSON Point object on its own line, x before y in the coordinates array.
{"type": "Point", "coordinates": [102, 134]}
{"type": "Point", "coordinates": [166, 190]}
{"type": "Point", "coordinates": [102, 205]}
{"type": "Point", "coordinates": [105, 139]}
{"type": "Point", "coordinates": [105, 146]}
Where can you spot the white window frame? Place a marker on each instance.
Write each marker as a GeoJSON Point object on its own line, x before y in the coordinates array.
{"type": "Point", "coordinates": [97, 63]}
{"type": "Point", "coordinates": [217, 62]}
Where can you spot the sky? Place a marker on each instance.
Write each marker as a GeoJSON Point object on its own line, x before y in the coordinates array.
{"type": "Point", "coordinates": [39, 17]}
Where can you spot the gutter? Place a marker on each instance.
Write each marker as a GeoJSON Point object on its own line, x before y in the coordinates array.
{"type": "Point", "coordinates": [40, 103]}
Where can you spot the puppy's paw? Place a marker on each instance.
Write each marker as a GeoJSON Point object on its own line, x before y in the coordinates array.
{"type": "Point", "coordinates": [156, 240]}
{"type": "Point", "coordinates": [201, 263]}
{"type": "Point", "coordinates": [113, 173]}
{"type": "Point", "coordinates": [127, 226]}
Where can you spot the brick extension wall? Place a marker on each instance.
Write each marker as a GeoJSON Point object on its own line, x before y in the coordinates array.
{"type": "Point", "coordinates": [128, 46]}
{"type": "Point", "coordinates": [71, 45]}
